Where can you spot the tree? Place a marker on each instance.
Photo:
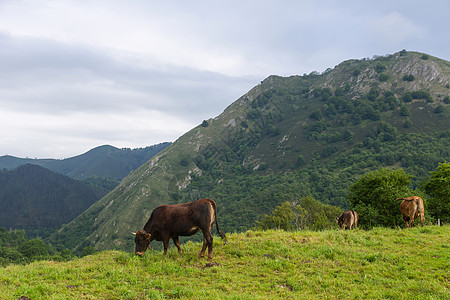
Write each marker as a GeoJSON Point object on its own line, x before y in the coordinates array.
{"type": "Point", "coordinates": [308, 213]}
{"type": "Point", "coordinates": [316, 115]}
{"type": "Point", "coordinates": [439, 109]}
{"type": "Point", "coordinates": [33, 248]}
{"type": "Point", "coordinates": [438, 188]}
{"type": "Point", "coordinates": [408, 77]}
{"type": "Point", "coordinates": [314, 215]}
{"type": "Point", "coordinates": [404, 111]}
{"type": "Point", "coordinates": [281, 218]}
{"type": "Point", "coordinates": [383, 77]}
{"type": "Point", "coordinates": [373, 197]}
{"type": "Point", "coordinates": [89, 250]}
{"type": "Point", "coordinates": [407, 97]}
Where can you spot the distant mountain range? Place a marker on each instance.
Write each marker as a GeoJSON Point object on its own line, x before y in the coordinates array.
{"type": "Point", "coordinates": [104, 161]}
{"type": "Point", "coordinates": [287, 138]}
{"type": "Point", "coordinates": [43, 194]}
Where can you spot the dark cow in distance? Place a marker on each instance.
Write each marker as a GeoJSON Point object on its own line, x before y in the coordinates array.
{"type": "Point", "coordinates": [411, 208]}
{"type": "Point", "coordinates": [348, 219]}
{"type": "Point", "coordinates": [172, 221]}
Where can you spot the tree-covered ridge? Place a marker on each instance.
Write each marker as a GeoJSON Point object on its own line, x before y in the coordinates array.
{"type": "Point", "coordinates": [289, 138]}
{"type": "Point", "coordinates": [38, 199]}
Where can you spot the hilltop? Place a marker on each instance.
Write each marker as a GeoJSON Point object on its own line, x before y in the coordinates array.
{"type": "Point", "coordinates": [376, 264]}
{"type": "Point", "coordinates": [287, 138]}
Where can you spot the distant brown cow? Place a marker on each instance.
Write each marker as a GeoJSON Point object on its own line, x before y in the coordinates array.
{"type": "Point", "coordinates": [348, 219]}
{"type": "Point", "coordinates": [411, 208]}
{"type": "Point", "coordinates": [172, 221]}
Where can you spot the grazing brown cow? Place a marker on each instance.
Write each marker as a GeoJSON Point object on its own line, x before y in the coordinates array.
{"type": "Point", "coordinates": [348, 219]}
{"type": "Point", "coordinates": [173, 221]}
{"type": "Point", "coordinates": [411, 208]}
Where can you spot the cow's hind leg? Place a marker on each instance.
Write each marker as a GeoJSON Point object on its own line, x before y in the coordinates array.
{"type": "Point", "coordinates": [422, 219]}
{"type": "Point", "coordinates": [202, 252]}
{"type": "Point", "coordinates": [406, 219]}
{"type": "Point", "coordinates": [176, 241]}
{"type": "Point", "coordinates": [209, 242]}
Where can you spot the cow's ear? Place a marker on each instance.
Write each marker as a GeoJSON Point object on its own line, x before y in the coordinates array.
{"type": "Point", "coordinates": [147, 236]}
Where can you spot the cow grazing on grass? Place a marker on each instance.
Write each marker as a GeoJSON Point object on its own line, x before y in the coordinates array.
{"type": "Point", "coordinates": [348, 219]}
{"type": "Point", "coordinates": [172, 221]}
{"type": "Point", "coordinates": [411, 208]}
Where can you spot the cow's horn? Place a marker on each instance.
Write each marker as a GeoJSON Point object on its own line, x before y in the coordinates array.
{"type": "Point", "coordinates": [133, 233]}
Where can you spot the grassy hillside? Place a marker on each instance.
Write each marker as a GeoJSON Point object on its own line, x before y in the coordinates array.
{"type": "Point", "coordinates": [285, 139]}
{"type": "Point", "coordinates": [376, 264]}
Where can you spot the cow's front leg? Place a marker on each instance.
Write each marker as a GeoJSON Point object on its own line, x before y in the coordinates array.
{"type": "Point", "coordinates": [166, 245]}
{"type": "Point", "coordinates": [176, 241]}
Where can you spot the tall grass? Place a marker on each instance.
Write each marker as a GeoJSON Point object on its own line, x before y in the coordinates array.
{"type": "Point", "coordinates": [377, 264]}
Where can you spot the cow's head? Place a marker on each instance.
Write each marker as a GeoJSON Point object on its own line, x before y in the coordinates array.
{"type": "Point", "coordinates": [142, 240]}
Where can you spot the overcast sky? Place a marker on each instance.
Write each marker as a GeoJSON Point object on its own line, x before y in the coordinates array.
{"type": "Point", "coordinates": [77, 74]}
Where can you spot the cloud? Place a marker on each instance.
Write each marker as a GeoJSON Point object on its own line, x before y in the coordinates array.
{"type": "Point", "coordinates": [50, 88]}
{"type": "Point", "coordinates": [394, 29]}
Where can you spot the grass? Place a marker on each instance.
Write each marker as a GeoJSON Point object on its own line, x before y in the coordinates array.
{"type": "Point", "coordinates": [377, 264]}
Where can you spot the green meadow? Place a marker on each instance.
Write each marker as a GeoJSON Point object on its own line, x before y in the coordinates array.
{"type": "Point", "coordinates": [380, 263]}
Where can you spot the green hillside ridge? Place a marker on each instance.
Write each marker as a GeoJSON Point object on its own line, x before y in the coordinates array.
{"type": "Point", "coordinates": [332, 264]}
{"type": "Point", "coordinates": [287, 138]}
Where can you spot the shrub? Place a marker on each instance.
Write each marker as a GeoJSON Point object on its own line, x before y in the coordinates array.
{"type": "Point", "coordinates": [404, 111]}
{"type": "Point", "coordinates": [407, 97]}
{"type": "Point", "coordinates": [408, 77]}
{"type": "Point", "coordinates": [373, 197]}
{"type": "Point", "coordinates": [383, 77]}
{"type": "Point", "coordinates": [316, 115]}
{"type": "Point", "coordinates": [439, 109]}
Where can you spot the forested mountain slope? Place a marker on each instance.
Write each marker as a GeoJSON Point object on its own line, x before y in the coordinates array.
{"type": "Point", "coordinates": [37, 199]}
{"type": "Point", "coordinates": [285, 139]}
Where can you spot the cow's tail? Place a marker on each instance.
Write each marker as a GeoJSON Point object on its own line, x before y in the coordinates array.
{"type": "Point", "coordinates": [420, 207]}
{"type": "Point", "coordinates": [221, 234]}
{"type": "Point", "coordinates": [407, 199]}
